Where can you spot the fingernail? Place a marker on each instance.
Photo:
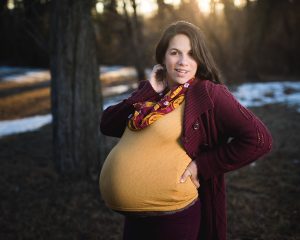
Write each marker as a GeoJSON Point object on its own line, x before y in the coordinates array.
{"type": "Point", "coordinates": [181, 180]}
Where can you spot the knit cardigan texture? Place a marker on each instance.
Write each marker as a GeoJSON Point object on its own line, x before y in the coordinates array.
{"type": "Point", "coordinates": [219, 134]}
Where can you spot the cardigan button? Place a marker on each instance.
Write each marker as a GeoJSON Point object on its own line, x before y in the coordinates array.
{"type": "Point", "coordinates": [196, 126]}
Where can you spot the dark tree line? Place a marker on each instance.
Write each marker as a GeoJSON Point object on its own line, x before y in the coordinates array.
{"type": "Point", "coordinates": [256, 40]}
{"type": "Point", "coordinates": [24, 33]}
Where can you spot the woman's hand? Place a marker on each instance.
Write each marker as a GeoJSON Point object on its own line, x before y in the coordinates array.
{"type": "Point", "coordinates": [157, 84]}
{"type": "Point", "coordinates": [191, 171]}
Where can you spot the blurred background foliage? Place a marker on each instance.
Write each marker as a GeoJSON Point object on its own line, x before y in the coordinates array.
{"type": "Point", "coordinates": [250, 39]}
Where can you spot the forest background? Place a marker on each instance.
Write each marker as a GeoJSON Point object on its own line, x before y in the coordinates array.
{"type": "Point", "coordinates": [250, 39]}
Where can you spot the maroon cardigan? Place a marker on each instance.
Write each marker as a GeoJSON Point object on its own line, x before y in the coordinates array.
{"type": "Point", "coordinates": [218, 133]}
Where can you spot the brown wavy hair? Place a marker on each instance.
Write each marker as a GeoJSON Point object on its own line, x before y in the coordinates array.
{"type": "Point", "coordinates": [207, 68]}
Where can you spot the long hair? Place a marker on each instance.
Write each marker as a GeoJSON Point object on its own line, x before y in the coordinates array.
{"type": "Point", "coordinates": [207, 68]}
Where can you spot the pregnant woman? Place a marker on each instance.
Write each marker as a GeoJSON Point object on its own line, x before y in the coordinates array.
{"type": "Point", "coordinates": [180, 131]}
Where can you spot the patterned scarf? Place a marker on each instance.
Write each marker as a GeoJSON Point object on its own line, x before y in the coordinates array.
{"type": "Point", "coordinates": [148, 112]}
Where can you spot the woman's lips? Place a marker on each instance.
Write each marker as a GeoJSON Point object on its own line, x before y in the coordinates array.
{"type": "Point", "coordinates": [181, 72]}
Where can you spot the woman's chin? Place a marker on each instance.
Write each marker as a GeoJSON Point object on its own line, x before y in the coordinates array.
{"type": "Point", "coordinates": [180, 80]}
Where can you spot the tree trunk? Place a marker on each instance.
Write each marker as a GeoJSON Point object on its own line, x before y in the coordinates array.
{"type": "Point", "coordinates": [75, 95]}
{"type": "Point", "coordinates": [138, 43]}
{"type": "Point", "coordinates": [136, 39]}
{"type": "Point", "coordinates": [257, 23]}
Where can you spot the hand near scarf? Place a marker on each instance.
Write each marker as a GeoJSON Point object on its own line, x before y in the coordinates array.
{"type": "Point", "coordinates": [157, 84]}
{"type": "Point", "coordinates": [191, 171]}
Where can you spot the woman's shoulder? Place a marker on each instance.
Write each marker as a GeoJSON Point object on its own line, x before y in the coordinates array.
{"type": "Point", "coordinates": [209, 87]}
{"type": "Point", "coordinates": [209, 83]}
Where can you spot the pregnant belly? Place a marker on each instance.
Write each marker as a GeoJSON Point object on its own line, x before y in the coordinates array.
{"type": "Point", "coordinates": [137, 183]}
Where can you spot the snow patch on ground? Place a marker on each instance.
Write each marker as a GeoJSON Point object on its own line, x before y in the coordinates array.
{"type": "Point", "coordinates": [23, 74]}
{"type": "Point", "coordinates": [117, 71]}
{"type": "Point", "coordinates": [259, 94]}
{"type": "Point", "coordinates": [117, 90]}
{"type": "Point", "coordinates": [9, 127]}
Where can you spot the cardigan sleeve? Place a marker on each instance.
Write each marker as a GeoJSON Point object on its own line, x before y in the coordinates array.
{"type": "Point", "coordinates": [114, 118]}
{"type": "Point", "coordinates": [250, 137]}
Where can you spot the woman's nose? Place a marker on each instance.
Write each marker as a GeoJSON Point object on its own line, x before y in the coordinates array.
{"type": "Point", "coordinates": [182, 60]}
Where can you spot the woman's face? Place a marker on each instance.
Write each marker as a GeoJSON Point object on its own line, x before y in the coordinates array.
{"type": "Point", "coordinates": [180, 64]}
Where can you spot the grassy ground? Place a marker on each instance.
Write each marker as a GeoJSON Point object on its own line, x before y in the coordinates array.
{"type": "Point", "coordinates": [36, 203]}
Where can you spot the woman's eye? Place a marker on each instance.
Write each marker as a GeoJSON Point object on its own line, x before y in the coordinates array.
{"type": "Point", "coordinates": [173, 53]}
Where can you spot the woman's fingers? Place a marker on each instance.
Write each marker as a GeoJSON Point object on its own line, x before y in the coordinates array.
{"type": "Point", "coordinates": [191, 171]}
{"type": "Point", "coordinates": [158, 86]}
{"type": "Point", "coordinates": [195, 181]}
{"type": "Point", "coordinates": [157, 67]}
{"type": "Point", "coordinates": [187, 173]}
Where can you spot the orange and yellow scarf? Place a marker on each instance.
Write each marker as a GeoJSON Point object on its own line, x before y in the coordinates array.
{"type": "Point", "coordinates": [148, 112]}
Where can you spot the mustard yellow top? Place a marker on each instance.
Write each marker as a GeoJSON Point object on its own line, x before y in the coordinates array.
{"type": "Point", "coordinates": [142, 172]}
